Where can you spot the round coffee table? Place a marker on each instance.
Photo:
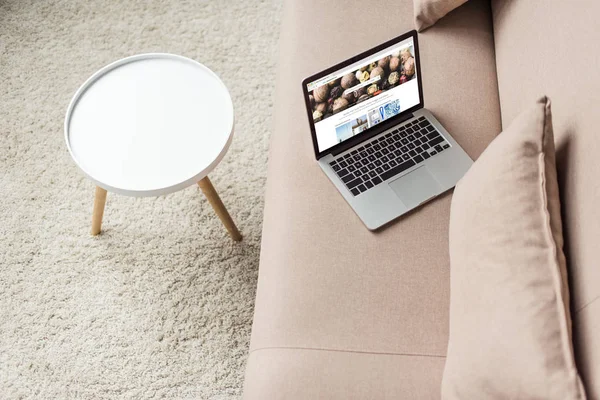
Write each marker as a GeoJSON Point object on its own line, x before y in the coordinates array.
{"type": "Point", "coordinates": [148, 125]}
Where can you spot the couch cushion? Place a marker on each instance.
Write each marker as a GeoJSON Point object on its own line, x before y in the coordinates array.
{"type": "Point", "coordinates": [325, 281]}
{"type": "Point", "coordinates": [283, 374]}
{"type": "Point", "coordinates": [550, 47]}
{"type": "Point", "coordinates": [510, 334]}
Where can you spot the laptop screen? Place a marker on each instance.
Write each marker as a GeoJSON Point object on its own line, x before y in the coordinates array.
{"type": "Point", "coordinates": [351, 100]}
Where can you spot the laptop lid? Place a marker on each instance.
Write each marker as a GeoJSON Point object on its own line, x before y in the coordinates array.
{"type": "Point", "coordinates": [361, 97]}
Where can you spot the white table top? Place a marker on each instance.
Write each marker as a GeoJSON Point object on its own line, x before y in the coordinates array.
{"type": "Point", "coordinates": [149, 124]}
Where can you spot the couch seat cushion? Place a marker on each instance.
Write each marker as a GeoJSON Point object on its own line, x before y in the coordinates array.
{"type": "Point", "coordinates": [325, 282]}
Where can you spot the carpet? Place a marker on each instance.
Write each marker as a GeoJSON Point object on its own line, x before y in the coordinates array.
{"type": "Point", "coordinates": [159, 305]}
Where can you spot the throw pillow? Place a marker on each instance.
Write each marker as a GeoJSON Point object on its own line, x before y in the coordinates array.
{"type": "Point", "coordinates": [427, 12]}
{"type": "Point", "coordinates": [510, 326]}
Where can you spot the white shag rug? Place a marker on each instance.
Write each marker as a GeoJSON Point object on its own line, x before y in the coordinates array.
{"type": "Point", "coordinates": [160, 305]}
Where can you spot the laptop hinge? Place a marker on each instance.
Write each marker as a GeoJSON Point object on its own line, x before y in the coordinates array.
{"type": "Point", "coordinates": [382, 127]}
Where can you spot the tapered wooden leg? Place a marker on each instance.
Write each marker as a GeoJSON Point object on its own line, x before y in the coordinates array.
{"type": "Point", "coordinates": [216, 203]}
{"type": "Point", "coordinates": [99, 202]}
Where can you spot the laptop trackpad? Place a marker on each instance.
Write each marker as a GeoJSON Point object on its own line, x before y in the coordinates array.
{"type": "Point", "coordinates": [416, 187]}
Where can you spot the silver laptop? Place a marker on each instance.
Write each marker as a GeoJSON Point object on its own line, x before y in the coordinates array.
{"type": "Point", "coordinates": [373, 138]}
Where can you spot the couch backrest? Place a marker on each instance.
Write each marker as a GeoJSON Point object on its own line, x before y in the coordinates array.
{"type": "Point", "coordinates": [552, 47]}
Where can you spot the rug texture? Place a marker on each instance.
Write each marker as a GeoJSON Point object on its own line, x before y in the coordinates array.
{"type": "Point", "coordinates": [160, 304]}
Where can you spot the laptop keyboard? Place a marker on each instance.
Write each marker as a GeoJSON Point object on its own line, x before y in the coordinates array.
{"type": "Point", "coordinates": [390, 154]}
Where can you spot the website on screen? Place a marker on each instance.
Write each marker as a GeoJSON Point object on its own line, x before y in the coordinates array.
{"type": "Point", "coordinates": [350, 101]}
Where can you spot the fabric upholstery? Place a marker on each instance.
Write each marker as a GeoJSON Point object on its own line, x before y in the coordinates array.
{"type": "Point", "coordinates": [428, 12]}
{"type": "Point", "coordinates": [550, 47]}
{"type": "Point", "coordinates": [326, 282]}
{"type": "Point", "coordinates": [290, 373]}
{"type": "Point", "coordinates": [509, 309]}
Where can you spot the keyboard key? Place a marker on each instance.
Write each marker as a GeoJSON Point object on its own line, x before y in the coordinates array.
{"type": "Point", "coordinates": [404, 141]}
{"type": "Point", "coordinates": [376, 180]}
{"type": "Point", "coordinates": [378, 163]}
{"type": "Point", "coordinates": [404, 149]}
{"type": "Point", "coordinates": [431, 129]}
{"type": "Point", "coordinates": [355, 192]}
{"type": "Point", "coordinates": [384, 159]}
{"type": "Point", "coordinates": [425, 146]}
{"type": "Point", "coordinates": [370, 151]}
{"type": "Point", "coordinates": [369, 144]}
{"type": "Point", "coordinates": [421, 119]}
{"type": "Point", "coordinates": [438, 148]}
{"type": "Point", "coordinates": [354, 152]}
{"type": "Point", "coordinates": [372, 174]}
{"type": "Point", "coordinates": [364, 170]}
{"type": "Point", "coordinates": [378, 154]}
{"type": "Point", "coordinates": [396, 137]}
{"type": "Point", "coordinates": [432, 135]}
{"type": "Point", "coordinates": [363, 154]}
{"type": "Point", "coordinates": [419, 150]}
{"type": "Point", "coordinates": [393, 163]}
{"type": "Point", "coordinates": [336, 168]}
{"type": "Point", "coordinates": [446, 146]}
{"type": "Point", "coordinates": [423, 124]}
{"type": "Point", "coordinates": [418, 159]}
{"type": "Point", "coordinates": [342, 172]}
{"type": "Point", "coordinates": [433, 153]}
{"type": "Point", "coordinates": [377, 147]}
{"type": "Point", "coordinates": [405, 156]}
{"type": "Point", "coordinates": [426, 155]}
{"type": "Point", "coordinates": [379, 170]}
{"type": "Point", "coordinates": [358, 164]}
{"type": "Point", "coordinates": [411, 146]}
{"type": "Point", "coordinates": [397, 153]}
{"type": "Point", "coordinates": [371, 158]}
{"type": "Point", "coordinates": [348, 178]}
{"type": "Point", "coordinates": [358, 172]}
{"type": "Point", "coordinates": [351, 168]}
{"type": "Point", "coordinates": [417, 134]}
{"type": "Point", "coordinates": [397, 169]}
{"type": "Point", "coordinates": [343, 164]}
{"type": "Point", "coordinates": [361, 188]}
{"type": "Point", "coordinates": [386, 167]}
{"type": "Point", "coordinates": [410, 130]}
{"type": "Point", "coordinates": [354, 183]}
{"type": "Point", "coordinates": [369, 184]}
{"type": "Point", "coordinates": [385, 151]}
{"type": "Point", "coordinates": [412, 153]}
{"type": "Point", "coordinates": [411, 138]}
{"type": "Point", "coordinates": [435, 141]}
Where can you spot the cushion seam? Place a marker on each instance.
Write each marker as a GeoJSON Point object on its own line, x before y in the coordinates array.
{"type": "Point", "coordinates": [595, 299]}
{"type": "Point", "coordinates": [565, 339]}
{"type": "Point", "coordinates": [346, 351]}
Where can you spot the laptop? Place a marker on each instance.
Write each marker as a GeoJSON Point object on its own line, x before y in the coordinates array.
{"type": "Point", "coordinates": [374, 139]}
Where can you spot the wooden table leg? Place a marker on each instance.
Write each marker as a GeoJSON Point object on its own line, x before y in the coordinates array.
{"type": "Point", "coordinates": [99, 203]}
{"type": "Point", "coordinates": [216, 203]}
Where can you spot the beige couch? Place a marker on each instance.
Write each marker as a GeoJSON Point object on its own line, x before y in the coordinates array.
{"type": "Point", "coordinates": [344, 313]}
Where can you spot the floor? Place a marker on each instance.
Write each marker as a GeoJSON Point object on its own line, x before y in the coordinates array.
{"type": "Point", "coordinates": [160, 305]}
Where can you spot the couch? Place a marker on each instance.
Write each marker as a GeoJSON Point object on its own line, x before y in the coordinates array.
{"type": "Point", "coordinates": [345, 313]}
